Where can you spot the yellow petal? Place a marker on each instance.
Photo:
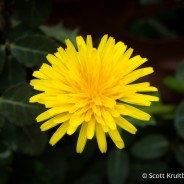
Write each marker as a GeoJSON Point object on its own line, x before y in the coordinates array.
{"type": "Point", "coordinates": [108, 102]}
{"type": "Point", "coordinates": [56, 61]}
{"type": "Point", "coordinates": [99, 119]}
{"type": "Point", "coordinates": [80, 43]}
{"type": "Point", "coordinates": [120, 48]}
{"type": "Point", "coordinates": [71, 129]}
{"type": "Point", "coordinates": [109, 120]}
{"type": "Point", "coordinates": [62, 54]}
{"type": "Point", "coordinates": [60, 132]}
{"type": "Point", "coordinates": [36, 98]}
{"type": "Point", "coordinates": [79, 110]}
{"type": "Point", "coordinates": [91, 128]}
{"type": "Point", "coordinates": [148, 89]}
{"type": "Point", "coordinates": [43, 116]}
{"type": "Point", "coordinates": [136, 113]}
{"type": "Point", "coordinates": [54, 121]}
{"type": "Point", "coordinates": [48, 125]}
{"type": "Point", "coordinates": [76, 120]}
{"type": "Point", "coordinates": [50, 72]}
{"type": "Point", "coordinates": [71, 56]}
{"type": "Point", "coordinates": [123, 123]}
{"type": "Point", "coordinates": [115, 136]}
{"type": "Point", "coordinates": [88, 115]}
{"type": "Point", "coordinates": [82, 103]}
{"type": "Point", "coordinates": [62, 117]}
{"type": "Point", "coordinates": [121, 109]}
{"type": "Point", "coordinates": [134, 63]}
{"type": "Point", "coordinates": [102, 44]}
{"type": "Point", "coordinates": [105, 128]}
{"type": "Point", "coordinates": [101, 138]}
{"type": "Point", "coordinates": [133, 76]}
{"type": "Point", "coordinates": [58, 56]}
{"type": "Point", "coordinates": [97, 101]}
{"type": "Point", "coordinates": [127, 55]}
{"type": "Point", "coordinates": [96, 109]}
{"type": "Point", "coordinates": [136, 87]}
{"type": "Point", "coordinates": [113, 112]}
{"type": "Point", "coordinates": [139, 99]}
{"type": "Point", "coordinates": [60, 85]}
{"type": "Point", "coordinates": [70, 46]}
{"type": "Point", "coordinates": [46, 85]}
{"type": "Point", "coordinates": [133, 100]}
{"type": "Point", "coordinates": [40, 75]}
{"type": "Point", "coordinates": [82, 139]}
{"type": "Point", "coordinates": [63, 98]}
{"type": "Point", "coordinates": [57, 110]}
{"type": "Point", "coordinates": [50, 104]}
{"type": "Point", "coordinates": [89, 41]}
{"type": "Point", "coordinates": [107, 52]}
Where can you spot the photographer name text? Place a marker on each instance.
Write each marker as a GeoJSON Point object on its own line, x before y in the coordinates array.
{"type": "Point", "coordinates": [163, 175]}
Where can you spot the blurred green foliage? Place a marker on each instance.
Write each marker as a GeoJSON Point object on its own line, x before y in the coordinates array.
{"type": "Point", "coordinates": [26, 156]}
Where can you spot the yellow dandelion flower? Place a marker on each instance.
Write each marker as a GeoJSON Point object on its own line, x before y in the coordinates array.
{"type": "Point", "coordinates": [90, 88]}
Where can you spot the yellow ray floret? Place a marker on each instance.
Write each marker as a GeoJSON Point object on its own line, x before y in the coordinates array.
{"type": "Point", "coordinates": [91, 89]}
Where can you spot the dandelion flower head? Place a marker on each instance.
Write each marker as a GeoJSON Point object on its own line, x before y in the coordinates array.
{"type": "Point", "coordinates": [91, 90]}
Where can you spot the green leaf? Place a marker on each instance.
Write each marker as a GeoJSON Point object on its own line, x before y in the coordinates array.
{"type": "Point", "coordinates": [117, 166]}
{"type": "Point", "coordinates": [32, 50]}
{"type": "Point", "coordinates": [20, 31]}
{"type": "Point", "coordinates": [34, 12]}
{"type": "Point", "coordinates": [2, 121]}
{"type": "Point", "coordinates": [12, 74]}
{"type": "Point", "coordinates": [174, 84]}
{"type": "Point", "coordinates": [159, 108]}
{"type": "Point", "coordinates": [150, 147]}
{"type": "Point", "coordinates": [5, 155]}
{"type": "Point", "coordinates": [60, 32]}
{"type": "Point", "coordinates": [2, 57]}
{"type": "Point", "coordinates": [179, 120]}
{"type": "Point", "coordinates": [179, 154]}
{"type": "Point", "coordinates": [15, 107]}
{"type": "Point", "coordinates": [141, 123]}
{"type": "Point", "coordinates": [161, 28]}
{"type": "Point", "coordinates": [150, 28]}
{"type": "Point", "coordinates": [137, 170]}
{"type": "Point", "coordinates": [8, 136]}
{"type": "Point", "coordinates": [31, 140]}
{"type": "Point", "coordinates": [180, 72]}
